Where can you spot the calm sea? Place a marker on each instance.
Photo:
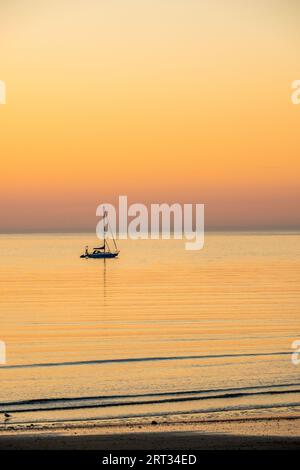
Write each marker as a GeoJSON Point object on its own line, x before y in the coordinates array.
{"type": "Point", "coordinates": [158, 332]}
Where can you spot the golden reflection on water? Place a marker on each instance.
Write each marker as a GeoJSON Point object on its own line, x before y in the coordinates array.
{"type": "Point", "coordinates": [228, 313]}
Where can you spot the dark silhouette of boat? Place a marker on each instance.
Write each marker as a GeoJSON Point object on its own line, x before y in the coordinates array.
{"type": "Point", "coordinates": [103, 251]}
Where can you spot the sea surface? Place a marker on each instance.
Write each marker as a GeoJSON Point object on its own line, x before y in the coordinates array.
{"type": "Point", "coordinates": [160, 331]}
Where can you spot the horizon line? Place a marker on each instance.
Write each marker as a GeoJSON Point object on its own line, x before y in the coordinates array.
{"type": "Point", "coordinates": [209, 230]}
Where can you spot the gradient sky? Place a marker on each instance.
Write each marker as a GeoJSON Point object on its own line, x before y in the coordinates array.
{"type": "Point", "coordinates": [162, 100]}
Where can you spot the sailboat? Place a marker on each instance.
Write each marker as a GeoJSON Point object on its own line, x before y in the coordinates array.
{"type": "Point", "coordinates": [104, 250]}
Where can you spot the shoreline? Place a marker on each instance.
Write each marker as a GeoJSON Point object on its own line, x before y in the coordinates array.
{"type": "Point", "coordinates": [274, 433]}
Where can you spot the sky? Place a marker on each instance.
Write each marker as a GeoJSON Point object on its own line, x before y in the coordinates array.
{"type": "Point", "coordinates": [160, 100]}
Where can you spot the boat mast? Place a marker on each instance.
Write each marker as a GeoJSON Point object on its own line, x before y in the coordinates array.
{"type": "Point", "coordinates": [105, 228]}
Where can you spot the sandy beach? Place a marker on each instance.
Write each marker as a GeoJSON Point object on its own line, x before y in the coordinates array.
{"type": "Point", "coordinates": [251, 434]}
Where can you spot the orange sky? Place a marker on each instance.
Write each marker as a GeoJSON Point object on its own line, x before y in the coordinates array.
{"type": "Point", "coordinates": [162, 100]}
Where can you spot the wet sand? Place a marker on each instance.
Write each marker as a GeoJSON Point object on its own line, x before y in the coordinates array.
{"type": "Point", "coordinates": [265, 434]}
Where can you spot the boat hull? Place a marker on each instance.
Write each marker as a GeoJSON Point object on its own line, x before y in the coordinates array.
{"type": "Point", "coordinates": [100, 255]}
